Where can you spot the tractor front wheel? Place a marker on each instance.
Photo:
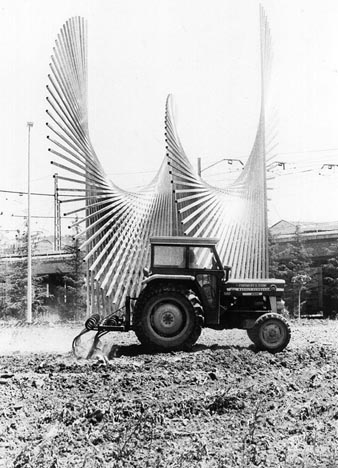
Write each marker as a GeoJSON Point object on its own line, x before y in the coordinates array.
{"type": "Point", "coordinates": [271, 332]}
{"type": "Point", "coordinates": [167, 318]}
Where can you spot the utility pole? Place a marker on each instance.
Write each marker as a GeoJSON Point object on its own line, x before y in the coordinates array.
{"type": "Point", "coordinates": [199, 166]}
{"type": "Point", "coordinates": [29, 253]}
{"type": "Point", "coordinates": [57, 214]}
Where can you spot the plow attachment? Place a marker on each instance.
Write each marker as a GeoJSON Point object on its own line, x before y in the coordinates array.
{"type": "Point", "coordinates": [87, 347]}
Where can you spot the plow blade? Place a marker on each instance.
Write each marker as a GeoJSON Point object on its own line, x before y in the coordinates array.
{"type": "Point", "coordinates": [87, 346]}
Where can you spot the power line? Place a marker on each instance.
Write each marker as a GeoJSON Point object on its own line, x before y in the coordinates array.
{"type": "Point", "coordinates": [131, 173]}
{"type": "Point", "coordinates": [309, 151]}
{"type": "Point", "coordinates": [35, 193]}
{"type": "Point", "coordinates": [25, 216]}
{"type": "Point", "coordinates": [46, 217]}
{"type": "Point", "coordinates": [26, 193]}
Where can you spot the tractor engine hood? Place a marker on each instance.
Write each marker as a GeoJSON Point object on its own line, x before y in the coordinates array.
{"type": "Point", "coordinates": [260, 285]}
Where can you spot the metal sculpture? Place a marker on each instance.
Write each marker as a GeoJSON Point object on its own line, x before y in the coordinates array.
{"type": "Point", "coordinates": [116, 224]}
{"type": "Point", "coordinates": [236, 215]}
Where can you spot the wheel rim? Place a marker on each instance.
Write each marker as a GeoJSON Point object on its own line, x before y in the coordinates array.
{"type": "Point", "coordinates": [167, 319]}
{"type": "Point", "coordinates": [273, 333]}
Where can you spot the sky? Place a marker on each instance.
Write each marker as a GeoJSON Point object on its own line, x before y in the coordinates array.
{"type": "Point", "coordinates": [207, 55]}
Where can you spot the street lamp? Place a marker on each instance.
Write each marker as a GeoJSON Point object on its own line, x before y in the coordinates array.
{"type": "Point", "coordinates": [229, 160]}
{"type": "Point", "coordinates": [29, 249]}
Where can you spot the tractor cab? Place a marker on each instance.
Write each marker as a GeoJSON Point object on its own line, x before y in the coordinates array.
{"type": "Point", "coordinates": [194, 262]}
{"type": "Point", "coordinates": [185, 256]}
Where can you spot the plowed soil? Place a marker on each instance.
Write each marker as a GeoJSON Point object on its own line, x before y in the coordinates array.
{"type": "Point", "coordinates": [221, 405]}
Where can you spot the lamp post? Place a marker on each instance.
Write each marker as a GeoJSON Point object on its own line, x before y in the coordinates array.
{"type": "Point", "coordinates": [229, 161]}
{"type": "Point", "coordinates": [29, 247]}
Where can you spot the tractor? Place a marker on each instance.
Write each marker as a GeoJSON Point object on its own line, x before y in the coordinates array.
{"type": "Point", "coordinates": [187, 289]}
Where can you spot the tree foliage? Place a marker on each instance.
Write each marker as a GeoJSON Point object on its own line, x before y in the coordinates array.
{"type": "Point", "coordinates": [287, 262]}
{"type": "Point", "coordinates": [330, 280]}
{"type": "Point", "coordinates": [15, 301]}
{"type": "Point", "coordinates": [73, 292]}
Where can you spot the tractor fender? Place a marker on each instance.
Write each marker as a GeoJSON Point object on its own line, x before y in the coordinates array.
{"type": "Point", "coordinates": [168, 277]}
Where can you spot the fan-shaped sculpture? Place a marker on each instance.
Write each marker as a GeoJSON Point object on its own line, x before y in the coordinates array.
{"type": "Point", "coordinates": [117, 223]}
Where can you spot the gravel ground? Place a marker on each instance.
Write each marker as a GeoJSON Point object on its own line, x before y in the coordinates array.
{"type": "Point", "coordinates": [221, 405]}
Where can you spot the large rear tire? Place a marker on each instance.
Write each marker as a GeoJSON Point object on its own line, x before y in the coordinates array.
{"type": "Point", "coordinates": [271, 332]}
{"type": "Point", "coordinates": [167, 318]}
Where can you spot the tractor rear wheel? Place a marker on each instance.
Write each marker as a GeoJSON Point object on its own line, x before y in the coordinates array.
{"type": "Point", "coordinates": [271, 332]}
{"type": "Point", "coordinates": [168, 318]}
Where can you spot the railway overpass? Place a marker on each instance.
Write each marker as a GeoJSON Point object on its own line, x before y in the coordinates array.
{"type": "Point", "coordinates": [49, 263]}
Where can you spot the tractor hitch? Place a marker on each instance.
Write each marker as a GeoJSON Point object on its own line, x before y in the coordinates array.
{"type": "Point", "coordinates": [102, 325]}
{"type": "Point", "coordinates": [113, 321]}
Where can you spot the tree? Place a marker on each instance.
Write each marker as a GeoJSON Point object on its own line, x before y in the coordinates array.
{"type": "Point", "coordinates": [73, 305]}
{"type": "Point", "coordinates": [15, 303]}
{"type": "Point", "coordinates": [289, 262]}
{"type": "Point", "coordinates": [330, 281]}
{"type": "Point", "coordinates": [300, 281]}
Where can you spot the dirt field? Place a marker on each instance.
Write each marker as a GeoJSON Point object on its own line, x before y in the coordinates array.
{"type": "Point", "coordinates": [221, 405]}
